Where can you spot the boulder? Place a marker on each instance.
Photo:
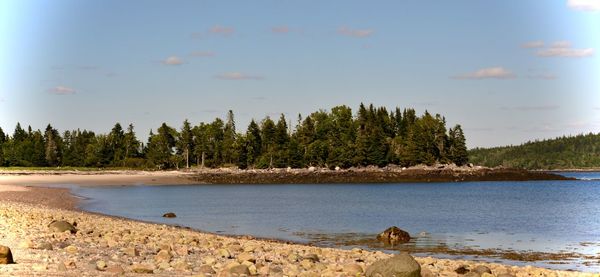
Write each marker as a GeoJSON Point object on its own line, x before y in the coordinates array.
{"type": "Point", "coordinates": [5, 255]}
{"type": "Point", "coordinates": [240, 269]}
{"type": "Point", "coordinates": [394, 235]}
{"type": "Point", "coordinates": [59, 226]}
{"type": "Point", "coordinates": [169, 215]}
{"type": "Point", "coordinates": [482, 269]}
{"type": "Point", "coordinates": [461, 270]}
{"type": "Point", "coordinates": [401, 265]}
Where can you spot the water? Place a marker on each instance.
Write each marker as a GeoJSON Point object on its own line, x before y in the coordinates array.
{"type": "Point", "coordinates": [541, 216]}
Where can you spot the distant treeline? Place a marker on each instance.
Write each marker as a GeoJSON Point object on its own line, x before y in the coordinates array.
{"type": "Point", "coordinates": [582, 151]}
{"type": "Point", "coordinates": [333, 138]}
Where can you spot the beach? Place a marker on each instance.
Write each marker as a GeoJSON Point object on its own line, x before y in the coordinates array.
{"type": "Point", "coordinates": [106, 245]}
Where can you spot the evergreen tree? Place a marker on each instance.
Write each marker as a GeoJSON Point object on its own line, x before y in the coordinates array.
{"type": "Point", "coordinates": [52, 146]}
{"type": "Point", "coordinates": [229, 137]}
{"type": "Point", "coordinates": [253, 144]}
{"type": "Point", "coordinates": [458, 148]}
{"type": "Point", "coordinates": [185, 143]}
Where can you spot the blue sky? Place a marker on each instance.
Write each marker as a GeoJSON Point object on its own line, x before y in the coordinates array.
{"type": "Point", "coordinates": [508, 71]}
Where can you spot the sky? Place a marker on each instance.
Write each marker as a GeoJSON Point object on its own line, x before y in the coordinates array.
{"type": "Point", "coordinates": [508, 71]}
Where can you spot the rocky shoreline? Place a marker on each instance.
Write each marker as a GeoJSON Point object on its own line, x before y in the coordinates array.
{"type": "Point", "coordinates": [312, 175]}
{"type": "Point", "coordinates": [106, 245]}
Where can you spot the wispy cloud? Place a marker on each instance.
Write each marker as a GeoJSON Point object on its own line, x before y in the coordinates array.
{"type": "Point", "coordinates": [172, 60]}
{"type": "Point", "coordinates": [203, 54]}
{"type": "Point", "coordinates": [543, 76]}
{"type": "Point", "coordinates": [238, 76]}
{"type": "Point", "coordinates": [357, 33]}
{"type": "Point", "coordinates": [487, 73]}
{"type": "Point", "coordinates": [531, 108]}
{"type": "Point", "coordinates": [221, 30]}
{"type": "Point", "coordinates": [280, 30]}
{"type": "Point", "coordinates": [62, 90]}
{"type": "Point", "coordinates": [480, 129]}
{"type": "Point", "coordinates": [584, 5]}
{"type": "Point", "coordinates": [533, 44]}
{"type": "Point", "coordinates": [564, 49]}
{"type": "Point", "coordinates": [543, 128]}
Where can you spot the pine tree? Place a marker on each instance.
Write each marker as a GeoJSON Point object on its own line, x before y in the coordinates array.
{"type": "Point", "coordinates": [185, 143]}
{"type": "Point", "coordinates": [458, 149]}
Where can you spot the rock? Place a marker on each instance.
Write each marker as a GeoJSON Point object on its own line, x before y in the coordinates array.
{"type": "Point", "coordinates": [246, 257]}
{"type": "Point", "coordinates": [142, 268]}
{"type": "Point", "coordinates": [45, 246]}
{"type": "Point", "coordinates": [206, 269]}
{"type": "Point", "coordinates": [115, 269]}
{"type": "Point", "coordinates": [163, 256]}
{"type": "Point", "coordinates": [461, 270]}
{"type": "Point", "coordinates": [312, 257]}
{"type": "Point", "coordinates": [61, 267]}
{"type": "Point", "coordinates": [169, 215]}
{"type": "Point", "coordinates": [240, 269]}
{"type": "Point", "coordinates": [101, 265]}
{"type": "Point", "coordinates": [482, 269]}
{"type": "Point", "coordinates": [352, 269]}
{"type": "Point", "coordinates": [71, 249]}
{"type": "Point", "coordinates": [224, 253]}
{"type": "Point", "coordinates": [26, 244]}
{"type": "Point", "coordinates": [6, 255]}
{"type": "Point", "coordinates": [306, 264]}
{"type": "Point", "coordinates": [401, 265]}
{"type": "Point", "coordinates": [485, 274]}
{"type": "Point", "coordinates": [394, 235]}
{"type": "Point", "coordinates": [426, 273]}
{"type": "Point", "coordinates": [312, 169]}
{"type": "Point", "coordinates": [472, 274]}
{"type": "Point", "coordinates": [506, 275]}
{"type": "Point", "coordinates": [131, 252]}
{"type": "Point", "coordinates": [61, 226]}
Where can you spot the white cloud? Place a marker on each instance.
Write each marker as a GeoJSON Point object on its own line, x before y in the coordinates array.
{"type": "Point", "coordinates": [564, 49]}
{"type": "Point", "coordinates": [584, 5]}
{"type": "Point", "coordinates": [355, 32]}
{"type": "Point", "coordinates": [533, 44]}
{"type": "Point", "coordinates": [237, 76]}
{"type": "Point", "coordinates": [488, 73]}
{"type": "Point", "coordinates": [62, 90]}
{"type": "Point", "coordinates": [203, 54]}
{"type": "Point", "coordinates": [280, 30]}
{"type": "Point", "coordinates": [222, 30]}
{"type": "Point", "coordinates": [172, 60]}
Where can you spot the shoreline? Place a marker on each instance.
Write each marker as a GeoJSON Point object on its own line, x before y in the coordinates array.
{"type": "Point", "coordinates": [390, 174]}
{"type": "Point", "coordinates": [16, 192]}
{"type": "Point", "coordinates": [91, 249]}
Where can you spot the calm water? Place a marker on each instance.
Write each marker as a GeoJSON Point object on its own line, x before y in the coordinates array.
{"type": "Point", "coordinates": [545, 216]}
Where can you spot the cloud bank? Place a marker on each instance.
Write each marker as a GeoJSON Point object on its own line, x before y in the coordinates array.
{"type": "Point", "coordinates": [584, 5]}
{"type": "Point", "coordinates": [172, 60]}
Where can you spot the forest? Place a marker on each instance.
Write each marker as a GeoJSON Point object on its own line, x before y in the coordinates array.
{"type": "Point", "coordinates": [334, 138]}
{"type": "Point", "coordinates": [567, 152]}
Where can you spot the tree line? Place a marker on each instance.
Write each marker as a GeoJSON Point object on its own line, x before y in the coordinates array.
{"type": "Point", "coordinates": [567, 152]}
{"type": "Point", "coordinates": [334, 138]}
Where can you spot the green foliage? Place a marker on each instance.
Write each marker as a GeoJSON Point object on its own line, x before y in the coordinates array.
{"type": "Point", "coordinates": [335, 138]}
{"type": "Point", "coordinates": [581, 151]}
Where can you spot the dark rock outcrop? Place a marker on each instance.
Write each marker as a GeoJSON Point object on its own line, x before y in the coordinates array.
{"type": "Point", "coordinates": [394, 235]}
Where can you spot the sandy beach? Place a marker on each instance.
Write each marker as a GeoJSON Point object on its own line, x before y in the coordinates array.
{"type": "Point", "coordinates": [105, 245]}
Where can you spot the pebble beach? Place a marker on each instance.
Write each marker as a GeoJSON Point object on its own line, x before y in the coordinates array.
{"type": "Point", "coordinates": [109, 246]}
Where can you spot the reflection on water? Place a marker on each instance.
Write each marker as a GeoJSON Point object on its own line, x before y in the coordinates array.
{"type": "Point", "coordinates": [514, 222]}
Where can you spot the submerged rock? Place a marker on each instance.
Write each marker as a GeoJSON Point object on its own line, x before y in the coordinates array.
{"type": "Point", "coordinates": [5, 255]}
{"type": "Point", "coordinates": [401, 265]}
{"type": "Point", "coordinates": [394, 235]}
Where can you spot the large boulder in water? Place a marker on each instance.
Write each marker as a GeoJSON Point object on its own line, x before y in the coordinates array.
{"type": "Point", "coordinates": [401, 265]}
{"type": "Point", "coordinates": [394, 235]}
{"type": "Point", "coordinates": [59, 226]}
{"type": "Point", "coordinates": [5, 255]}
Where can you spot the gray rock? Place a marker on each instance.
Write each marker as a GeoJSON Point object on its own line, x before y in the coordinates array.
{"type": "Point", "coordinates": [5, 255]}
{"type": "Point", "coordinates": [45, 246]}
{"type": "Point", "coordinates": [394, 235]}
{"type": "Point", "coordinates": [401, 265]}
{"type": "Point", "coordinates": [61, 226]}
{"type": "Point", "coordinates": [461, 270]}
